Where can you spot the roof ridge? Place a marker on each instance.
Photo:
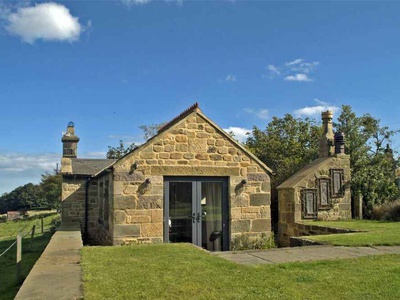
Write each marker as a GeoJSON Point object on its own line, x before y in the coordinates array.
{"type": "Point", "coordinates": [181, 115]}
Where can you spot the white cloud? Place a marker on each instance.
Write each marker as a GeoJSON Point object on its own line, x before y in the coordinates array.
{"type": "Point", "coordinates": [46, 21]}
{"type": "Point", "coordinates": [294, 62]}
{"type": "Point", "coordinates": [135, 2]}
{"type": "Point", "coordinates": [17, 169]}
{"type": "Point", "coordinates": [21, 162]}
{"type": "Point", "coordinates": [261, 113]}
{"type": "Point", "coordinates": [273, 70]}
{"type": "Point", "coordinates": [312, 111]}
{"type": "Point", "coordinates": [298, 77]}
{"type": "Point", "coordinates": [295, 70]}
{"type": "Point", "coordinates": [230, 78]}
{"type": "Point", "coordinates": [240, 133]}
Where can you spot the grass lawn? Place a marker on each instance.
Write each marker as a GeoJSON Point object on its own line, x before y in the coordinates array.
{"type": "Point", "coordinates": [182, 271]}
{"type": "Point", "coordinates": [377, 233]}
{"type": "Point", "coordinates": [8, 233]}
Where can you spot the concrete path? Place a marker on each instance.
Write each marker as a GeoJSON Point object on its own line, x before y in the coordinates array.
{"type": "Point", "coordinates": [57, 273]}
{"type": "Point", "coordinates": [306, 253]}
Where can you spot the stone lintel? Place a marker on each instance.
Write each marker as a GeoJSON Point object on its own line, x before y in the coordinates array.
{"type": "Point", "coordinates": [195, 170]}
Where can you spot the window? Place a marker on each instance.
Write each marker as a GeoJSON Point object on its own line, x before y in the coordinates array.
{"type": "Point", "coordinates": [337, 177]}
{"type": "Point", "coordinates": [309, 203]}
{"type": "Point", "coordinates": [324, 193]}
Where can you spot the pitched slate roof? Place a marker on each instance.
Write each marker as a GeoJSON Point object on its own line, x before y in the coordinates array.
{"type": "Point", "coordinates": [86, 166]}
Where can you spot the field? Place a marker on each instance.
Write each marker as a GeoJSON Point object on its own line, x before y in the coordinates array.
{"type": "Point", "coordinates": [8, 232]}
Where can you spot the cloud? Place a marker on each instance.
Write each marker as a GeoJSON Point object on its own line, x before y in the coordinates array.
{"type": "Point", "coordinates": [311, 111]}
{"type": "Point", "coordinates": [17, 169]}
{"type": "Point", "coordinates": [295, 70]}
{"type": "Point", "coordinates": [46, 21]}
{"type": "Point", "coordinates": [240, 134]}
{"type": "Point", "coordinates": [273, 70]}
{"type": "Point", "coordinates": [21, 162]}
{"type": "Point", "coordinates": [135, 2]}
{"type": "Point", "coordinates": [261, 113]}
{"type": "Point", "coordinates": [298, 77]}
{"type": "Point", "coordinates": [230, 78]}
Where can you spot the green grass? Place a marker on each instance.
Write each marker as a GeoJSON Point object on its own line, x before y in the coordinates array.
{"type": "Point", "coordinates": [376, 233]}
{"type": "Point", "coordinates": [8, 232]}
{"type": "Point", "coordinates": [182, 271]}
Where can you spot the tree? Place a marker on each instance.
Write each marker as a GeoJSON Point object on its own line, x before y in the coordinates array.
{"type": "Point", "coordinates": [50, 192]}
{"type": "Point", "coordinates": [21, 198]}
{"type": "Point", "coordinates": [46, 194]}
{"type": "Point", "coordinates": [286, 145]}
{"type": "Point", "coordinates": [151, 130]}
{"type": "Point", "coordinates": [372, 166]}
{"type": "Point", "coordinates": [118, 152]}
{"type": "Point", "coordinates": [148, 132]}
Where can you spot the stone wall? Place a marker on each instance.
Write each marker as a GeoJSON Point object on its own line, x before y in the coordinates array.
{"type": "Point", "coordinates": [73, 200]}
{"type": "Point", "coordinates": [101, 214]}
{"type": "Point", "coordinates": [290, 196]}
{"type": "Point", "coordinates": [191, 147]}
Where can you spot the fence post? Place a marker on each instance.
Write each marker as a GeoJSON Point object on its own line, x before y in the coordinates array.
{"type": "Point", "coordinates": [41, 223]}
{"type": "Point", "coordinates": [32, 235]}
{"type": "Point", "coordinates": [19, 258]}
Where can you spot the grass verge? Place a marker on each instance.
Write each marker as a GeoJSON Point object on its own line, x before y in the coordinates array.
{"type": "Point", "coordinates": [179, 271]}
{"type": "Point", "coordinates": [375, 233]}
{"type": "Point", "coordinates": [8, 232]}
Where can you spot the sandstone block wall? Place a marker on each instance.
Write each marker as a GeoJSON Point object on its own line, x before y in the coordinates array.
{"type": "Point", "coordinates": [192, 147]}
{"type": "Point", "coordinates": [290, 198]}
{"type": "Point", "coordinates": [73, 200]}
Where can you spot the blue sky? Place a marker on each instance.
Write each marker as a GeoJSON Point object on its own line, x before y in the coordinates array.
{"type": "Point", "coordinates": [111, 66]}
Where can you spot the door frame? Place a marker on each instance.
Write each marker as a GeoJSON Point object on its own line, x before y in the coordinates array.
{"type": "Point", "coordinates": [196, 207]}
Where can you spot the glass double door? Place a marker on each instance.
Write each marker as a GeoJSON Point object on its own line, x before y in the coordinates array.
{"type": "Point", "coordinates": [195, 211]}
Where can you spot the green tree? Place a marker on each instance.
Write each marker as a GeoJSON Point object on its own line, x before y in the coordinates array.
{"type": "Point", "coordinates": [21, 198]}
{"type": "Point", "coordinates": [121, 150]}
{"type": "Point", "coordinates": [50, 190]}
{"type": "Point", "coordinates": [372, 167]}
{"type": "Point", "coordinates": [46, 194]}
{"type": "Point", "coordinates": [286, 145]}
{"type": "Point", "coordinates": [148, 132]}
{"type": "Point", "coordinates": [151, 130]}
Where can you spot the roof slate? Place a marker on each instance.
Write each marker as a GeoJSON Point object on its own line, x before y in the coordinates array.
{"type": "Point", "coordinates": [85, 166]}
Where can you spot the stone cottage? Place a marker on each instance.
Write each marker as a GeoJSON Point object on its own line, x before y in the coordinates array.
{"type": "Point", "coordinates": [321, 190]}
{"type": "Point", "coordinates": [192, 182]}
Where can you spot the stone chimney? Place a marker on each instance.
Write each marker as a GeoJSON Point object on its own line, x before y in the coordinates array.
{"type": "Point", "coordinates": [70, 142]}
{"type": "Point", "coordinates": [339, 143]}
{"type": "Point", "coordinates": [326, 148]}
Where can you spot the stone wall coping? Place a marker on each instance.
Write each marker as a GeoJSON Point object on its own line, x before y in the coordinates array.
{"type": "Point", "coordinates": [57, 274]}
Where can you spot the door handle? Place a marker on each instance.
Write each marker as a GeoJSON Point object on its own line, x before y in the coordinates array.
{"type": "Point", "coordinates": [198, 218]}
{"type": "Point", "coordinates": [193, 216]}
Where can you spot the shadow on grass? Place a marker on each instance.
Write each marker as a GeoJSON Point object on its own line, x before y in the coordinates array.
{"type": "Point", "coordinates": [8, 277]}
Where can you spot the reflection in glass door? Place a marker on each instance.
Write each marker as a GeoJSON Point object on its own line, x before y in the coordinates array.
{"type": "Point", "coordinates": [195, 211]}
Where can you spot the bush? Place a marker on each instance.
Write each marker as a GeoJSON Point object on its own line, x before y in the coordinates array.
{"type": "Point", "coordinates": [387, 212]}
{"type": "Point", "coordinates": [251, 242]}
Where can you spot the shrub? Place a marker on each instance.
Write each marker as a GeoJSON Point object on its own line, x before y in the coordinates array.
{"type": "Point", "coordinates": [250, 242]}
{"type": "Point", "coordinates": [387, 212]}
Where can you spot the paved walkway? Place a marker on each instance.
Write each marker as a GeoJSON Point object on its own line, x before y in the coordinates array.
{"type": "Point", "coordinates": [57, 273]}
{"type": "Point", "coordinates": [306, 253]}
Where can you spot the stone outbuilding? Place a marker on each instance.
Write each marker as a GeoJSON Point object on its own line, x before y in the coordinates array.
{"type": "Point", "coordinates": [192, 182]}
{"type": "Point", "coordinates": [321, 190]}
